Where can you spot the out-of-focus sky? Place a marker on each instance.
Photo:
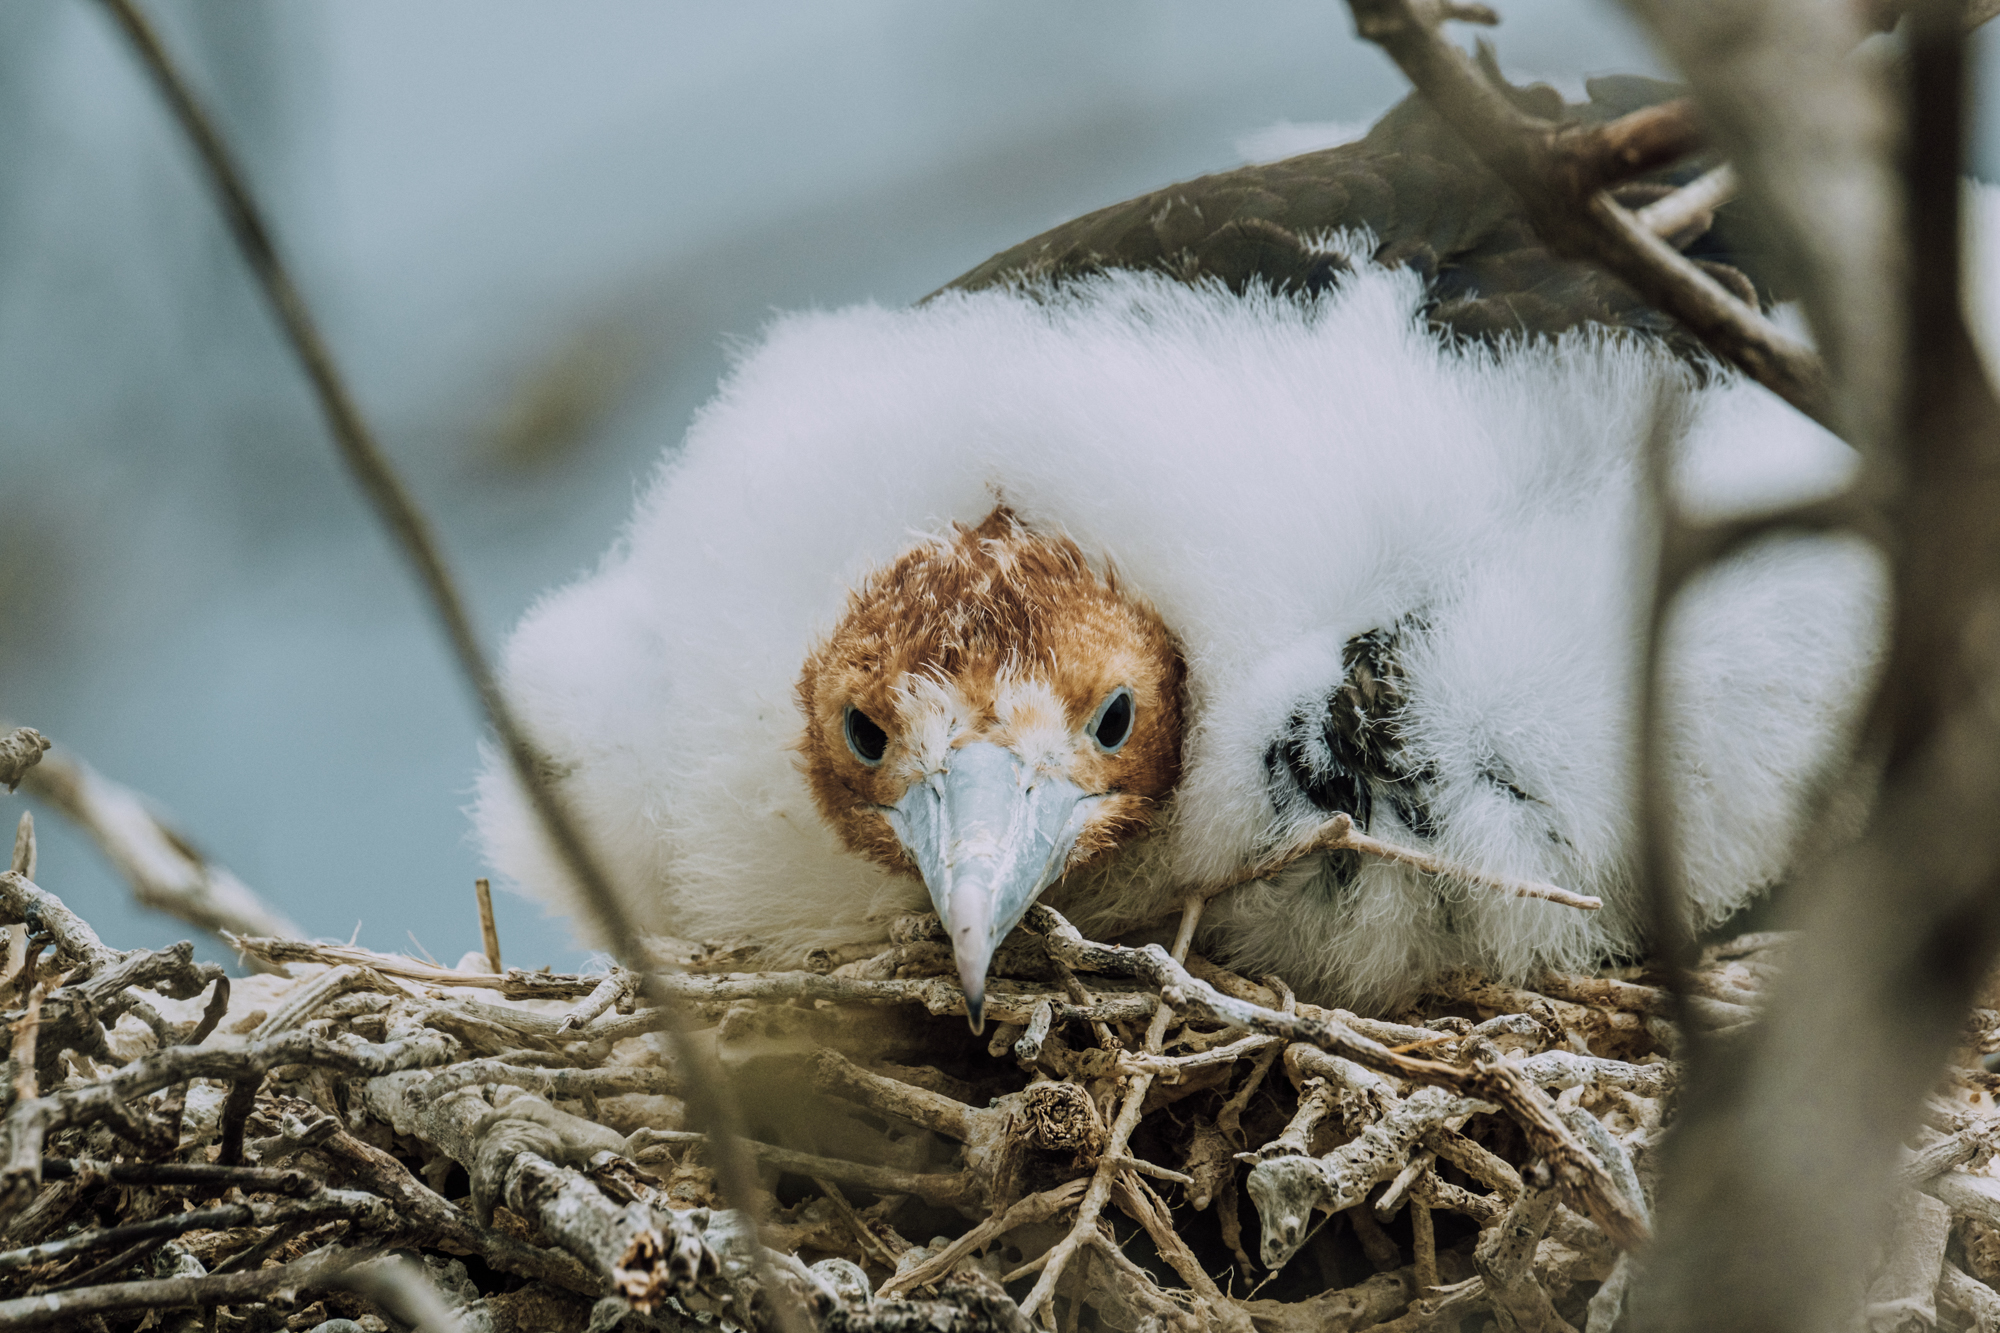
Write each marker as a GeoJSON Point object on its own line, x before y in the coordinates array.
{"type": "Point", "coordinates": [532, 231]}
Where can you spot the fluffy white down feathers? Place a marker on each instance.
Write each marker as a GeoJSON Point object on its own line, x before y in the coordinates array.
{"type": "Point", "coordinates": [1274, 477]}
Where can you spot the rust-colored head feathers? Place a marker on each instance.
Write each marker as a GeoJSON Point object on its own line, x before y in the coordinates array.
{"type": "Point", "coordinates": [997, 646]}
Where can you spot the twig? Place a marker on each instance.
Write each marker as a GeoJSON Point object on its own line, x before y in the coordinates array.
{"type": "Point", "coordinates": [32, 1119]}
{"type": "Point", "coordinates": [23, 863]}
{"type": "Point", "coordinates": [1969, 1296]}
{"type": "Point", "coordinates": [1391, 1198]}
{"type": "Point", "coordinates": [1560, 173]}
{"type": "Point", "coordinates": [1979, 1140]}
{"type": "Point", "coordinates": [641, 1252]}
{"type": "Point", "coordinates": [77, 946]}
{"type": "Point", "coordinates": [1065, 942]}
{"type": "Point", "coordinates": [489, 933]}
{"type": "Point", "coordinates": [1505, 1257]}
{"type": "Point", "coordinates": [943, 1190]}
{"type": "Point", "coordinates": [1423, 1246]}
{"type": "Point", "coordinates": [863, 1234]}
{"type": "Point", "coordinates": [365, 1210]}
{"type": "Point", "coordinates": [1503, 1085]}
{"type": "Point", "coordinates": [709, 1100]}
{"type": "Point", "coordinates": [266, 1180]}
{"type": "Point", "coordinates": [1138, 1201]}
{"type": "Point", "coordinates": [441, 1221]}
{"type": "Point", "coordinates": [20, 750]}
{"type": "Point", "coordinates": [67, 1309]}
{"type": "Point", "coordinates": [1339, 834]}
{"type": "Point", "coordinates": [1028, 1046]}
{"type": "Point", "coordinates": [1316, 1102]}
{"type": "Point", "coordinates": [936, 994]}
{"type": "Point", "coordinates": [115, 1265]}
{"type": "Point", "coordinates": [26, 1028]}
{"type": "Point", "coordinates": [164, 870]}
{"type": "Point", "coordinates": [559, 1083]}
{"type": "Point", "coordinates": [1026, 1212]}
{"type": "Point", "coordinates": [1691, 203]}
{"type": "Point", "coordinates": [1145, 1168]}
{"type": "Point", "coordinates": [617, 986]}
{"type": "Point", "coordinates": [1288, 1189]}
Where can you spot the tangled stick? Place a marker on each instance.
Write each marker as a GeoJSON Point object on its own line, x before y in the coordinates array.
{"type": "Point", "coordinates": [1339, 834]}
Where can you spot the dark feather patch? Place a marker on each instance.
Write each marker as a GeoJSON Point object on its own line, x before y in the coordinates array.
{"type": "Point", "coordinates": [1345, 754]}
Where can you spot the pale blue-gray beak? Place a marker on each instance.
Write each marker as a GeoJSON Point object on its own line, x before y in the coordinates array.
{"type": "Point", "coordinates": [989, 835]}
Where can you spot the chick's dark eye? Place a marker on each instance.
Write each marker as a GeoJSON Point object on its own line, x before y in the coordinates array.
{"type": "Point", "coordinates": [1113, 722]}
{"type": "Point", "coordinates": [868, 741]}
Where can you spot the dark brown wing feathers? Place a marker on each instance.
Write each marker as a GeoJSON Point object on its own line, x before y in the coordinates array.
{"type": "Point", "coordinates": [1431, 206]}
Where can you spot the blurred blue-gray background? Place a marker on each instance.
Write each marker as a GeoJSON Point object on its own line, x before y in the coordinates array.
{"type": "Point", "coordinates": [531, 230]}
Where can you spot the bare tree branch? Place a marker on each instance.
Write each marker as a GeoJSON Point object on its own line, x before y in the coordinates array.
{"type": "Point", "coordinates": [20, 750]}
{"type": "Point", "coordinates": [164, 869]}
{"type": "Point", "coordinates": [709, 1097]}
{"type": "Point", "coordinates": [1561, 173]}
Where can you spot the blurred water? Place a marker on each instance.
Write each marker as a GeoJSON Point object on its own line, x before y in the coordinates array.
{"type": "Point", "coordinates": [531, 230]}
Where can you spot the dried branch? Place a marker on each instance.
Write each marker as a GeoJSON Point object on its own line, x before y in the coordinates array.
{"type": "Point", "coordinates": [1023, 1212]}
{"type": "Point", "coordinates": [942, 1190]}
{"type": "Point", "coordinates": [709, 1099]}
{"type": "Point", "coordinates": [31, 1120]}
{"type": "Point", "coordinates": [1973, 1299]}
{"type": "Point", "coordinates": [1790, 1146]}
{"type": "Point", "coordinates": [76, 944]}
{"type": "Point", "coordinates": [164, 870]}
{"type": "Point", "coordinates": [1560, 172]}
{"type": "Point", "coordinates": [318, 1271]}
{"type": "Point", "coordinates": [365, 1210]}
{"type": "Point", "coordinates": [422, 1207]}
{"type": "Point", "coordinates": [1288, 1189]}
{"type": "Point", "coordinates": [1066, 943]}
{"type": "Point", "coordinates": [1502, 1085]}
{"type": "Point", "coordinates": [1506, 1254]}
{"type": "Point", "coordinates": [1692, 207]}
{"type": "Point", "coordinates": [489, 932]}
{"type": "Point", "coordinates": [1339, 834]}
{"type": "Point", "coordinates": [20, 750]}
{"type": "Point", "coordinates": [26, 1029]}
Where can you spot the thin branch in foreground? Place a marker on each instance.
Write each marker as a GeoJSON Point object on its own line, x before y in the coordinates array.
{"type": "Point", "coordinates": [489, 933]}
{"type": "Point", "coordinates": [165, 871]}
{"type": "Point", "coordinates": [1339, 834]}
{"type": "Point", "coordinates": [23, 862]}
{"type": "Point", "coordinates": [1692, 203]}
{"type": "Point", "coordinates": [709, 1098]}
{"type": "Point", "coordinates": [20, 750]}
{"type": "Point", "coordinates": [1779, 1178]}
{"type": "Point", "coordinates": [1560, 173]}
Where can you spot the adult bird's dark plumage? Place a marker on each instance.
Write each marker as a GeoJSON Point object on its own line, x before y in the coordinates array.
{"type": "Point", "coordinates": [1427, 203]}
{"type": "Point", "coordinates": [1128, 559]}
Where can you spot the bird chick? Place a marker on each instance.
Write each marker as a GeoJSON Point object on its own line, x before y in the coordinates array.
{"type": "Point", "coordinates": [990, 714]}
{"type": "Point", "coordinates": [1356, 572]}
{"type": "Point", "coordinates": [1379, 483]}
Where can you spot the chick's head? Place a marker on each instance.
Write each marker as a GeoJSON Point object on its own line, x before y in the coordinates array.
{"type": "Point", "coordinates": [990, 713]}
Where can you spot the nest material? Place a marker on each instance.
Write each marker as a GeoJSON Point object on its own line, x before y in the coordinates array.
{"type": "Point", "coordinates": [1146, 1142]}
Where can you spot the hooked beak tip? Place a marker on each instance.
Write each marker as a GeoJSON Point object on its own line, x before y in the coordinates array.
{"type": "Point", "coordinates": [973, 961]}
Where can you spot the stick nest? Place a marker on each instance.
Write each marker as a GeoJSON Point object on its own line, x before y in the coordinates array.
{"type": "Point", "coordinates": [1146, 1141]}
